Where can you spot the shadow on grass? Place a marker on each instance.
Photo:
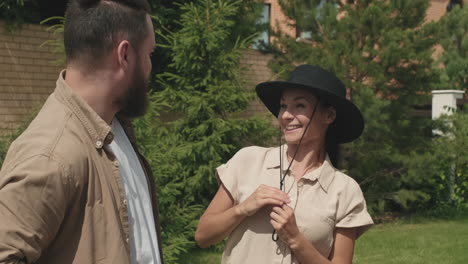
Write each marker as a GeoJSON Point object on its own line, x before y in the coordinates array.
{"type": "Point", "coordinates": [442, 212]}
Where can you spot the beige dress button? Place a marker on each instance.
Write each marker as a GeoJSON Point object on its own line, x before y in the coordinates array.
{"type": "Point", "coordinates": [116, 163]}
{"type": "Point", "coordinates": [125, 202]}
{"type": "Point", "coordinates": [98, 143]}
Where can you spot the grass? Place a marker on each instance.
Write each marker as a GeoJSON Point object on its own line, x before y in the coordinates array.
{"type": "Point", "coordinates": [413, 241]}
{"type": "Point", "coordinates": [436, 241]}
{"type": "Point", "coordinates": [202, 256]}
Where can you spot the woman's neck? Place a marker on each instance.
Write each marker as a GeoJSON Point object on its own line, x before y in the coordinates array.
{"type": "Point", "coordinates": [308, 158]}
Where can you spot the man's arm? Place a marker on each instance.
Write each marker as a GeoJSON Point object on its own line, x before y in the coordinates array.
{"type": "Point", "coordinates": [33, 201]}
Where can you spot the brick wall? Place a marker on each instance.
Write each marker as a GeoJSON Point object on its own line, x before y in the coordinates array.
{"type": "Point", "coordinates": [278, 20]}
{"type": "Point", "coordinates": [437, 9]}
{"type": "Point", "coordinates": [257, 71]}
{"type": "Point", "coordinates": [27, 73]}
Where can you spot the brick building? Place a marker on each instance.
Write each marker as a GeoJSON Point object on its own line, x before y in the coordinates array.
{"type": "Point", "coordinates": [28, 73]}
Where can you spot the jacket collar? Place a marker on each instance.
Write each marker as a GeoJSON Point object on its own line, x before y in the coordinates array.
{"type": "Point", "coordinates": [323, 174]}
{"type": "Point", "coordinates": [98, 130]}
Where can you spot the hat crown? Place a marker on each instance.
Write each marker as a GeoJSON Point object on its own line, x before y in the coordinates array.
{"type": "Point", "coordinates": [317, 77]}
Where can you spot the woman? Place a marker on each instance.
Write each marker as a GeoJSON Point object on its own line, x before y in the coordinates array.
{"type": "Point", "coordinates": [307, 211]}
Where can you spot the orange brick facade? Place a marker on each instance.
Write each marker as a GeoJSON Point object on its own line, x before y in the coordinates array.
{"type": "Point", "coordinates": [278, 20]}
{"type": "Point", "coordinates": [256, 70]}
{"type": "Point", "coordinates": [28, 74]}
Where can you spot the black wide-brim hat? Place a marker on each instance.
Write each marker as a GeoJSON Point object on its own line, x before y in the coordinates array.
{"type": "Point", "coordinates": [348, 124]}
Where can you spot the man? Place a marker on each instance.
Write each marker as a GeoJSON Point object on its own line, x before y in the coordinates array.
{"type": "Point", "coordinates": [73, 187]}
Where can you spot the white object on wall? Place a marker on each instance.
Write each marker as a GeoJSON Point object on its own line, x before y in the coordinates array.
{"type": "Point", "coordinates": [444, 102]}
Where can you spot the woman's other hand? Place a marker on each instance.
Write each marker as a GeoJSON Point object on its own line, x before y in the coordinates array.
{"type": "Point", "coordinates": [284, 222]}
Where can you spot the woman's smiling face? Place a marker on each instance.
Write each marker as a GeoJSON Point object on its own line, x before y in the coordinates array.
{"type": "Point", "coordinates": [296, 109]}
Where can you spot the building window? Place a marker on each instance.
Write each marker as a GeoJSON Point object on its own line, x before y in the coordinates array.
{"type": "Point", "coordinates": [305, 35]}
{"type": "Point", "coordinates": [264, 20]}
{"type": "Point", "coordinates": [453, 3]}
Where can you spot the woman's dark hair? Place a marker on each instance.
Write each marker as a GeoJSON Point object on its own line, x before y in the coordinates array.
{"type": "Point", "coordinates": [93, 27]}
{"type": "Point", "coordinates": [332, 147]}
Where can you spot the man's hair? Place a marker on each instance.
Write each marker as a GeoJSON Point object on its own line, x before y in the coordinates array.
{"type": "Point", "coordinates": [94, 27]}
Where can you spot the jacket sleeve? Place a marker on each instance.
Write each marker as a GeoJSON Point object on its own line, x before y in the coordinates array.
{"type": "Point", "coordinates": [33, 201]}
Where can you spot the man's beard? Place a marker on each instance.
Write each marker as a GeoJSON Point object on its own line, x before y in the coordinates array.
{"type": "Point", "coordinates": [135, 100]}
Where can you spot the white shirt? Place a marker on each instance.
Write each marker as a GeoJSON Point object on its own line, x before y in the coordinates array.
{"type": "Point", "coordinates": [143, 240]}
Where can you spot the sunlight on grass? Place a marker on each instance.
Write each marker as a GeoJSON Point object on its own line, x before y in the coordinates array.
{"type": "Point", "coordinates": [431, 242]}
{"type": "Point", "coordinates": [435, 241]}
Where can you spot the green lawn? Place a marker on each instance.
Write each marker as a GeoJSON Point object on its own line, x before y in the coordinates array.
{"type": "Point", "coordinates": [442, 242]}
{"type": "Point", "coordinates": [424, 242]}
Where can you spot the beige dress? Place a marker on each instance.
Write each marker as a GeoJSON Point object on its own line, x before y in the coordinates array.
{"type": "Point", "coordinates": [322, 200]}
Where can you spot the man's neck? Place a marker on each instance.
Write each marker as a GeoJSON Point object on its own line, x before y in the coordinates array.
{"type": "Point", "coordinates": [95, 89]}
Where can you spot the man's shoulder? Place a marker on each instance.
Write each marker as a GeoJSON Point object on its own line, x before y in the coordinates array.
{"type": "Point", "coordinates": [53, 133]}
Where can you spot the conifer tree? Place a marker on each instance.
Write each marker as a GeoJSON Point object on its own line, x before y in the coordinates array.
{"type": "Point", "coordinates": [382, 51]}
{"type": "Point", "coordinates": [202, 124]}
{"type": "Point", "coordinates": [448, 159]}
{"type": "Point", "coordinates": [454, 40]}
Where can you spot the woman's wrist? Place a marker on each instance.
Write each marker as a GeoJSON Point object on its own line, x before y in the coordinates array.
{"type": "Point", "coordinates": [239, 210]}
{"type": "Point", "coordinates": [296, 242]}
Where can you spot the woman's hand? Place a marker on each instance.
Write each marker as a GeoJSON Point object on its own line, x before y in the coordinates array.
{"type": "Point", "coordinates": [263, 195]}
{"type": "Point", "coordinates": [284, 222]}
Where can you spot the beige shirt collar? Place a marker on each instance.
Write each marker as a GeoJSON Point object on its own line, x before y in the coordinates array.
{"type": "Point", "coordinates": [323, 174]}
{"type": "Point", "coordinates": [98, 130]}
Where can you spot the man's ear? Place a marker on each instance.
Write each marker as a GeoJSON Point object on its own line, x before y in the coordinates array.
{"type": "Point", "coordinates": [123, 54]}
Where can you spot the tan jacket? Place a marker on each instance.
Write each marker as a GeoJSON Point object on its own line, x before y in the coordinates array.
{"type": "Point", "coordinates": [61, 195]}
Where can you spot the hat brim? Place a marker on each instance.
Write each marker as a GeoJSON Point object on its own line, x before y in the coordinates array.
{"type": "Point", "coordinates": [348, 124]}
